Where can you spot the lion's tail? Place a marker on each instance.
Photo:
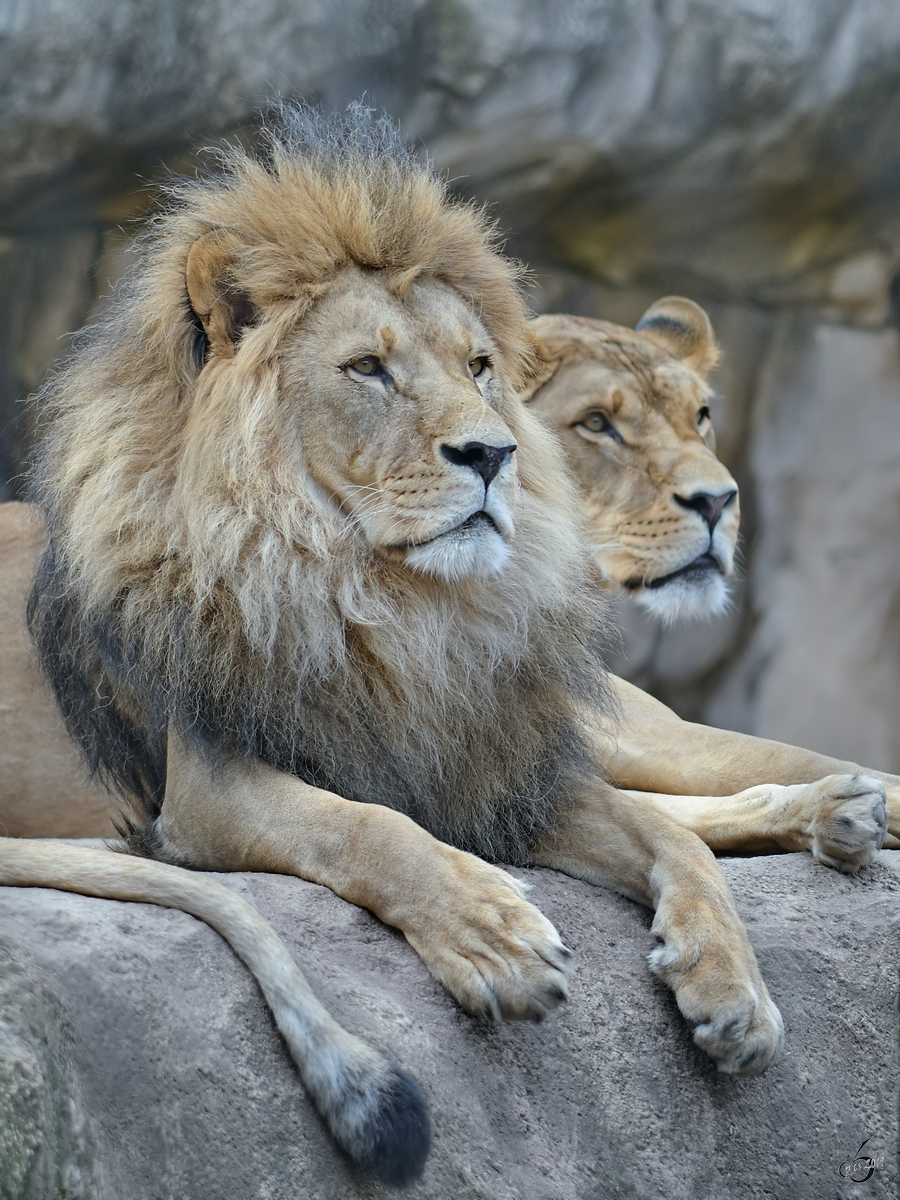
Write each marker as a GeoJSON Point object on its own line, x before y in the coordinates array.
{"type": "Point", "coordinates": [376, 1112]}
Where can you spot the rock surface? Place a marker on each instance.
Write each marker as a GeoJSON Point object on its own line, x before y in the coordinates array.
{"type": "Point", "coordinates": [138, 1062]}
{"type": "Point", "coordinates": [761, 133]}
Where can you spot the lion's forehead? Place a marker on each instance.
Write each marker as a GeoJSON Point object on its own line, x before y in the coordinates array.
{"type": "Point", "coordinates": [371, 312]}
{"type": "Point", "coordinates": [667, 386]}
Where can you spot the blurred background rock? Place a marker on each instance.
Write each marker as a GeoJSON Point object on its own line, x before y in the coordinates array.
{"type": "Point", "coordinates": [745, 153]}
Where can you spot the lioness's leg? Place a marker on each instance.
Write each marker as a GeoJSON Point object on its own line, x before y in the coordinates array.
{"type": "Point", "coordinates": [840, 818]}
{"type": "Point", "coordinates": [468, 921]}
{"type": "Point", "coordinates": [653, 750]}
{"type": "Point", "coordinates": [619, 841]}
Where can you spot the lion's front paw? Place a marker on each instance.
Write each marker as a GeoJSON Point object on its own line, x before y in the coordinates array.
{"type": "Point", "coordinates": [495, 953]}
{"type": "Point", "coordinates": [726, 1001]}
{"type": "Point", "coordinates": [849, 822]}
{"type": "Point", "coordinates": [746, 1036]}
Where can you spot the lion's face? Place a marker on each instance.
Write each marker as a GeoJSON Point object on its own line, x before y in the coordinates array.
{"type": "Point", "coordinates": [397, 403]}
{"type": "Point", "coordinates": [634, 418]}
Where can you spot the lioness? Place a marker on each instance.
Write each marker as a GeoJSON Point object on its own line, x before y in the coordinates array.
{"type": "Point", "coordinates": [316, 595]}
{"type": "Point", "coordinates": [632, 410]}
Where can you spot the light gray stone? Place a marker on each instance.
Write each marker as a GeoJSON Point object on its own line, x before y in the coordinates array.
{"type": "Point", "coordinates": [822, 667]}
{"type": "Point", "coordinates": [749, 144]}
{"type": "Point", "coordinates": [144, 1065]}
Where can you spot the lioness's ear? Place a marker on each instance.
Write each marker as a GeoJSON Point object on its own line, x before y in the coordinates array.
{"type": "Point", "coordinates": [545, 358]}
{"type": "Point", "coordinates": [223, 308]}
{"type": "Point", "coordinates": [682, 328]}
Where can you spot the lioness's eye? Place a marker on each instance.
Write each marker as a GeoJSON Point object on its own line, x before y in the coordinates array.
{"type": "Point", "coordinates": [703, 415]}
{"type": "Point", "coordinates": [479, 365]}
{"type": "Point", "coordinates": [369, 364]}
{"type": "Point", "coordinates": [598, 422]}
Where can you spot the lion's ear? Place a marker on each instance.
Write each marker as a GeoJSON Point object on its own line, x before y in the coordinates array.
{"type": "Point", "coordinates": [683, 329]}
{"type": "Point", "coordinates": [223, 308]}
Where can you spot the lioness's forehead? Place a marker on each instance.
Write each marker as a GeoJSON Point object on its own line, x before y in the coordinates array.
{"type": "Point", "coordinates": [368, 306]}
{"type": "Point", "coordinates": [587, 381]}
{"type": "Point", "coordinates": [665, 382]}
{"type": "Point", "coordinates": [667, 387]}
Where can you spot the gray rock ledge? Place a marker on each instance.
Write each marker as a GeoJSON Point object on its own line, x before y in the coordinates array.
{"type": "Point", "coordinates": [138, 1062]}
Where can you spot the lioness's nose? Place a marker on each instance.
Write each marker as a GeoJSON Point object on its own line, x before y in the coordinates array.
{"type": "Point", "coordinates": [483, 459]}
{"type": "Point", "coordinates": [708, 506]}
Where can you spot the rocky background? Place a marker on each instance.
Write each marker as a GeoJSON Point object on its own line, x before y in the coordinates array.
{"type": "Point", "coordinates": [741, 152]}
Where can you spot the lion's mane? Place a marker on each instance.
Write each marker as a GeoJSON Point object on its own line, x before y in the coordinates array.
{"type": "Point", "coordinates": [193, 581]}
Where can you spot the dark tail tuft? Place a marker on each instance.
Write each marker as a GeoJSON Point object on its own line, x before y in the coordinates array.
{"type": "Point", "coordinates": [394, 1141]}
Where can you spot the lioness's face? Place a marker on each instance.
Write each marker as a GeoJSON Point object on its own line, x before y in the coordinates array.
{"type": "Point", "coordinates": [635, 423]}
{"type": "Point", "coordinates": [399, 408]}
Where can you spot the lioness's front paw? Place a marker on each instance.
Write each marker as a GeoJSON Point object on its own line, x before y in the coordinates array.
{"type": "Point", "coordinates": [849, 824]}
{"type": "Point", "coordinates": [726, 1001]}
{"type": "Point", "coordinates": [493, 951]}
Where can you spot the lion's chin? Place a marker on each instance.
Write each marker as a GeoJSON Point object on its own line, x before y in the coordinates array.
{"type": "Point", "coordinates": [475, 550]}
{"type": "Point", "coordinates": [691, 596]}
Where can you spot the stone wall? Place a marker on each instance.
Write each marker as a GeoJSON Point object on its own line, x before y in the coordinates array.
{"type": "Point", "coordinates": [741, 153]}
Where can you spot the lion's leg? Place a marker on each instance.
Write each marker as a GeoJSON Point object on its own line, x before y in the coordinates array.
{"type": "Point", "coordinates": [469, 921]}
{"type": "Point", "coordinates": [840, 819]}
{"type": "Point", "coordinates": [376, 1111]}
{"type": "Point", "coordinates": [653, 750]}
{"type": "Point", "coordinates": [625, 843]}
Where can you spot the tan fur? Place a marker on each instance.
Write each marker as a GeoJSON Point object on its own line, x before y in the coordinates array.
{"type": "Point", "coordinates": [631, 409]}
{"type": "Point", "coordinates": [694, 773]}
{"type": "Point", "coordinates": [44, 789]}
{"type": "Point", "coordinates": [286, 537]}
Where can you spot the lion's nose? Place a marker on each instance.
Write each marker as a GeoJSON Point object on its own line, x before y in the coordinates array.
{"type": "Point", "coordinates": [708, 506]}
{"type": "Point", "coordinates": [481, 458]}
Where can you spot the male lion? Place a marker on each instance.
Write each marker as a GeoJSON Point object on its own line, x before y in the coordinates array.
{"type": "Point", "coordinates": [317, 598]}
{"type": "Point", "coordinates": [632, 410]}
{"type": "Point", "coordinates": [663, 516]}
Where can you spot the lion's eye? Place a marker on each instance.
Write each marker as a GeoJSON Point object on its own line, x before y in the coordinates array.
{"type": "Point", "coordinates": [479, 365]}
{"type": "Point", "coordinates": [598, 422]}
{"type": "Point", "coordinates": [703, 415]}
{"type": "Point", "coordinates": [369, 364]}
